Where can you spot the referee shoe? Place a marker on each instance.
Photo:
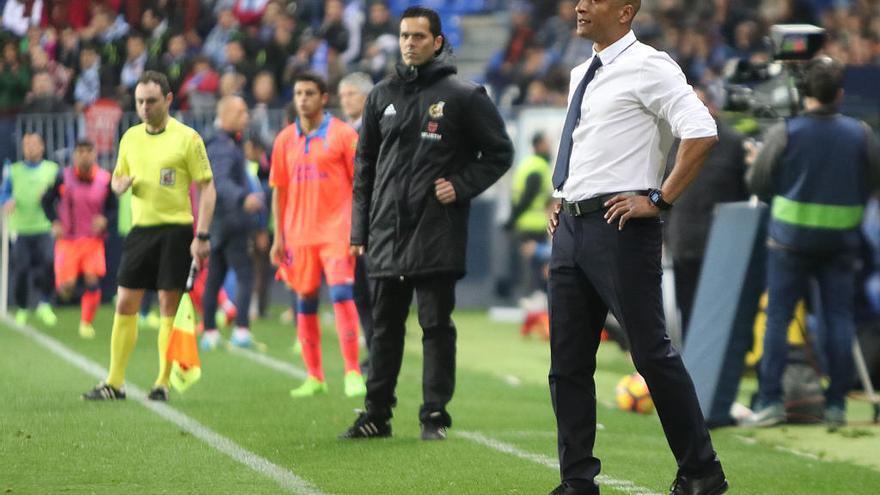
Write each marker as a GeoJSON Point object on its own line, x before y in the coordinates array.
{"type": "Point", "coordinates": [104, 391]}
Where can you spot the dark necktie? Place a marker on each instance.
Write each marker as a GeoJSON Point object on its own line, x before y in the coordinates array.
{"type": "Point", "coordinates": [560, 173]}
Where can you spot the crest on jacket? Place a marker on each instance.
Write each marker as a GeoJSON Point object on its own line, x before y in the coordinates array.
{"type": "Point", "coordinates": [435, 111]}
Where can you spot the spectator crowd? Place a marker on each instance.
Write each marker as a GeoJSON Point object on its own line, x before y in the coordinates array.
{"type": "Point", "coordinates": [69, 55]}
{"type": "Point", "coordinates": [701, 35]}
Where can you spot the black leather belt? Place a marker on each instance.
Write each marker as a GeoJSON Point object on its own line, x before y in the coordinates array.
{"type": "Point", "coordinates": [596, 203]}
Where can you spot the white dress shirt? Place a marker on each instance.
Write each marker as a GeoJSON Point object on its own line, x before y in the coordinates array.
{"type": "Point", "coordinates": [634, 107]}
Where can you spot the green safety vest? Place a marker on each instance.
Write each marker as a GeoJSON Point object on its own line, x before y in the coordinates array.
{"type": "Point", "coordinates": [535, 218]}
{"type": "Point", "coordinates": [28, 186]}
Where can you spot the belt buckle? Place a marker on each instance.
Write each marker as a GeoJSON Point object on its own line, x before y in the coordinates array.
{"type": "Point", "coordinates": [577, 208]}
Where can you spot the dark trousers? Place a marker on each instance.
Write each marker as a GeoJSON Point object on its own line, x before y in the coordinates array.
{"type": "Point", "coordinates": [594, 268]}
{"type": "Point", "coordinates": [687, 276]}
{"type": "Point", "coordinates": [363, 300]}
{"type": "Point", "coordinates": [230, 252]}
{"type": "Point", "coordinates": [391, 301]}
{"type": "Point", "coordinates": [32, 256]}
{"type": "Point", "coordinates": [788, 278]}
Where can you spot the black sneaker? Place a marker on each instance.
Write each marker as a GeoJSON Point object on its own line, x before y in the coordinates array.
{"type": "Point", "coordinates": [435, 425]}
{"type": "Point", "coordinates": [159, 393]}
{"type": "Point", "coordinates": [367, 427]}
{"type": "Point", "coordinates": [432, 431]}
{"type": "Point", "coordinates": [104, 391]}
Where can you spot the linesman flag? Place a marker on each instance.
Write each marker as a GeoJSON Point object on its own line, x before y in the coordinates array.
{"type": "Point", "coordinates": [183, 350]}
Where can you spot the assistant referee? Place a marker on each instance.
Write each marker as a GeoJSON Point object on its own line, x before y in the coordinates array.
{"type": "Point", "coordinates": [159, 160]}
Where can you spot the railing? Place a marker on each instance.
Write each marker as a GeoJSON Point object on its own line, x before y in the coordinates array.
{"type": "Point", "coordinates": [60, 131]}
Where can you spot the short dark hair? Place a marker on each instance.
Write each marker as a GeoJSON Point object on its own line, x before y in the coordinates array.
{"type": "Point", "coordinates": [84, 143]}
{"type": "Point", "coordinates": [152, 76]}
{"type": "Point", "coordinates": [537, 138]}
{"type": "Point", "coordinates": [823, 79]}
{"type": "Point", "coordinates": [433, 18]}
{"type": "Point", "coordinates": [312, 77]}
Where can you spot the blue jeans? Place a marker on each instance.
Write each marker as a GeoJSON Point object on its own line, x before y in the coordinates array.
{"type": "Point", "coordinates": [788, 279]}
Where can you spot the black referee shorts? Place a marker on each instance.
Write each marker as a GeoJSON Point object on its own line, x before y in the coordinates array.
{"type": "Point", "coordinates": [156, 257]}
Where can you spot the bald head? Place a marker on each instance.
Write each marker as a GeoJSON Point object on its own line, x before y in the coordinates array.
{"type": "Point", "coordinates": [636, 5]}
{"type": "Point", "coordinates": [605, 21]}
{"type": "Point", "coordinates": [232, 113]}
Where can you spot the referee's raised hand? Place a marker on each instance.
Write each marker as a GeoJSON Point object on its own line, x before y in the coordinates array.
{"type": "Point", "coordinates": [121, 183]}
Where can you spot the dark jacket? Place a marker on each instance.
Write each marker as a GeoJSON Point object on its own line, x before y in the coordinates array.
{"type": "Point", "coordinates": [420, 125]}
{"type": "Point", "coordinates": [226, 155]}
{"type": "Point", "coordinates": [721, 180]}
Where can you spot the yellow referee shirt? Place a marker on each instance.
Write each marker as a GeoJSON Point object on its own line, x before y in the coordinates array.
{"type": "Point", "coordinates": [163, 165]}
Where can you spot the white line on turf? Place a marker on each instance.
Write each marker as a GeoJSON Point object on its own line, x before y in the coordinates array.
{"type": "Point", "coordinates": [624, 486]}
{"type": "Point", "coordinates": [270, 362]}
{"type": "Point", "coordinates": [286, 479]}
{"type": "Point", "coordinates": [799, 453]}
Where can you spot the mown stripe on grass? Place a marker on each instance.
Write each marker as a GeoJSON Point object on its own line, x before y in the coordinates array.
{"type": "Point", "coordinates": [286, 479]}
{"type": "Point", "coordinates": [625, 486]}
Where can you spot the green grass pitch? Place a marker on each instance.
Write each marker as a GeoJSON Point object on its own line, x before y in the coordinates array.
{"type": "Point", "coordinates": [502, 440]}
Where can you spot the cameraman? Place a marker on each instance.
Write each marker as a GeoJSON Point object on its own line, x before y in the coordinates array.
{"type": "Point", "coordinates": [819, 170]}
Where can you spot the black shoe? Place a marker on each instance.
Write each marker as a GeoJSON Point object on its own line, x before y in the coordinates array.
{"type": "Point", "coordinates": [366, 427]}
{"type": "Point", "coordinates": [433, 431]}
{"type": "Point", "coordinates": [566, 489]}
{"type": "Point", "coordinates": [104, 391]}
{"type": "Point", "coordinates": [713, 484]}
{"type": "Point", "coordinates": [159, 393]}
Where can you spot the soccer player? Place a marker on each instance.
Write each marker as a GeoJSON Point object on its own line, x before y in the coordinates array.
{"type": "Point", "coordinates": [23, 188]}
{"type": "Point", "coordinates": [158, 160]}
{"type": "Point", "coordinates": [80, 206]}
{"type": "Point", "coordinates": [312, 170]}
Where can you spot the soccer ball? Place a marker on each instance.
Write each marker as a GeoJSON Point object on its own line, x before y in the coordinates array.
{"type": "Point", "coordinates": [633, 395]}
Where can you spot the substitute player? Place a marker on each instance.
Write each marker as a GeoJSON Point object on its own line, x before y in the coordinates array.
{"type": "Point", "coordinates": [80, 205]}
{"type": "Point", "coordinates": [159, 160]}
{"type": "Point", "coordinates": [24, 183]}
{"type": "Point", "coordinates": [312, 170]}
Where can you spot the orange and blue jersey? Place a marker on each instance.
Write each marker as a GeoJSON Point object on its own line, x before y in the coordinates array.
{"type": "Point", "coordinates": [316, 169]}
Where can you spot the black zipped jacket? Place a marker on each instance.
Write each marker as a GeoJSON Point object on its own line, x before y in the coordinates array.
{"type": "Point", "coordinates": [419, 125]}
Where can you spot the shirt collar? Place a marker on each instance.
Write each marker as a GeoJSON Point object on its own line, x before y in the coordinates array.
{"type": "Point", "coordinates": [611, 52]}
{"type": "Point", "coordinates": [320, 132]}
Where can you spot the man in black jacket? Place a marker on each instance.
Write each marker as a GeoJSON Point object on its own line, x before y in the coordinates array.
{"type": "Point", "coordinates": [429, 143]}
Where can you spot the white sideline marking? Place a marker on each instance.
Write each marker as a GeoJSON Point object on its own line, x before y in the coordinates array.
{"type": "Point", "coordinates": [286, 479]}
{"type": "Point", "coordinates": [623, 485]}
{"type": "Point", "coordinates": [805, 455]}
{"type": "Point", "coordinates": [799, 453]}
{"type": "Point", "coordinates": [270, 362]}
{"type": "Point", "coordinates": [511, 380]}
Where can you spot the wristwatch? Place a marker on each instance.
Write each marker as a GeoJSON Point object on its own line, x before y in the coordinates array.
{"type": "Point", "coordinates": [656, 199]}
{"type": "Point", "coordinates": [203, 236]}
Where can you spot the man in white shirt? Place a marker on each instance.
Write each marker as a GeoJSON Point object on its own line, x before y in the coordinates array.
{"type": "Point", "coordinates": [626, 105]}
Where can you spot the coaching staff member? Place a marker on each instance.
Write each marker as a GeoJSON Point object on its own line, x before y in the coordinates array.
{"type": "Point", "coordinates": [429, 143]}
{"type": "Point", "coordinates": [158, 159]}
{"type": "Point", "coordinates": [626, 103]}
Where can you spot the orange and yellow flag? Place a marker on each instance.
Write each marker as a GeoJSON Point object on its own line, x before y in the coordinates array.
{"type": "Point", "coordinates": [183, 349]}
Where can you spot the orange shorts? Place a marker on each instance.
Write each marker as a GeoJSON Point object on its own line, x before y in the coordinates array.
{"type": "Point", "coordinates": [303, 273]}
{"type": "Point", "coordinates": [75, 257]}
